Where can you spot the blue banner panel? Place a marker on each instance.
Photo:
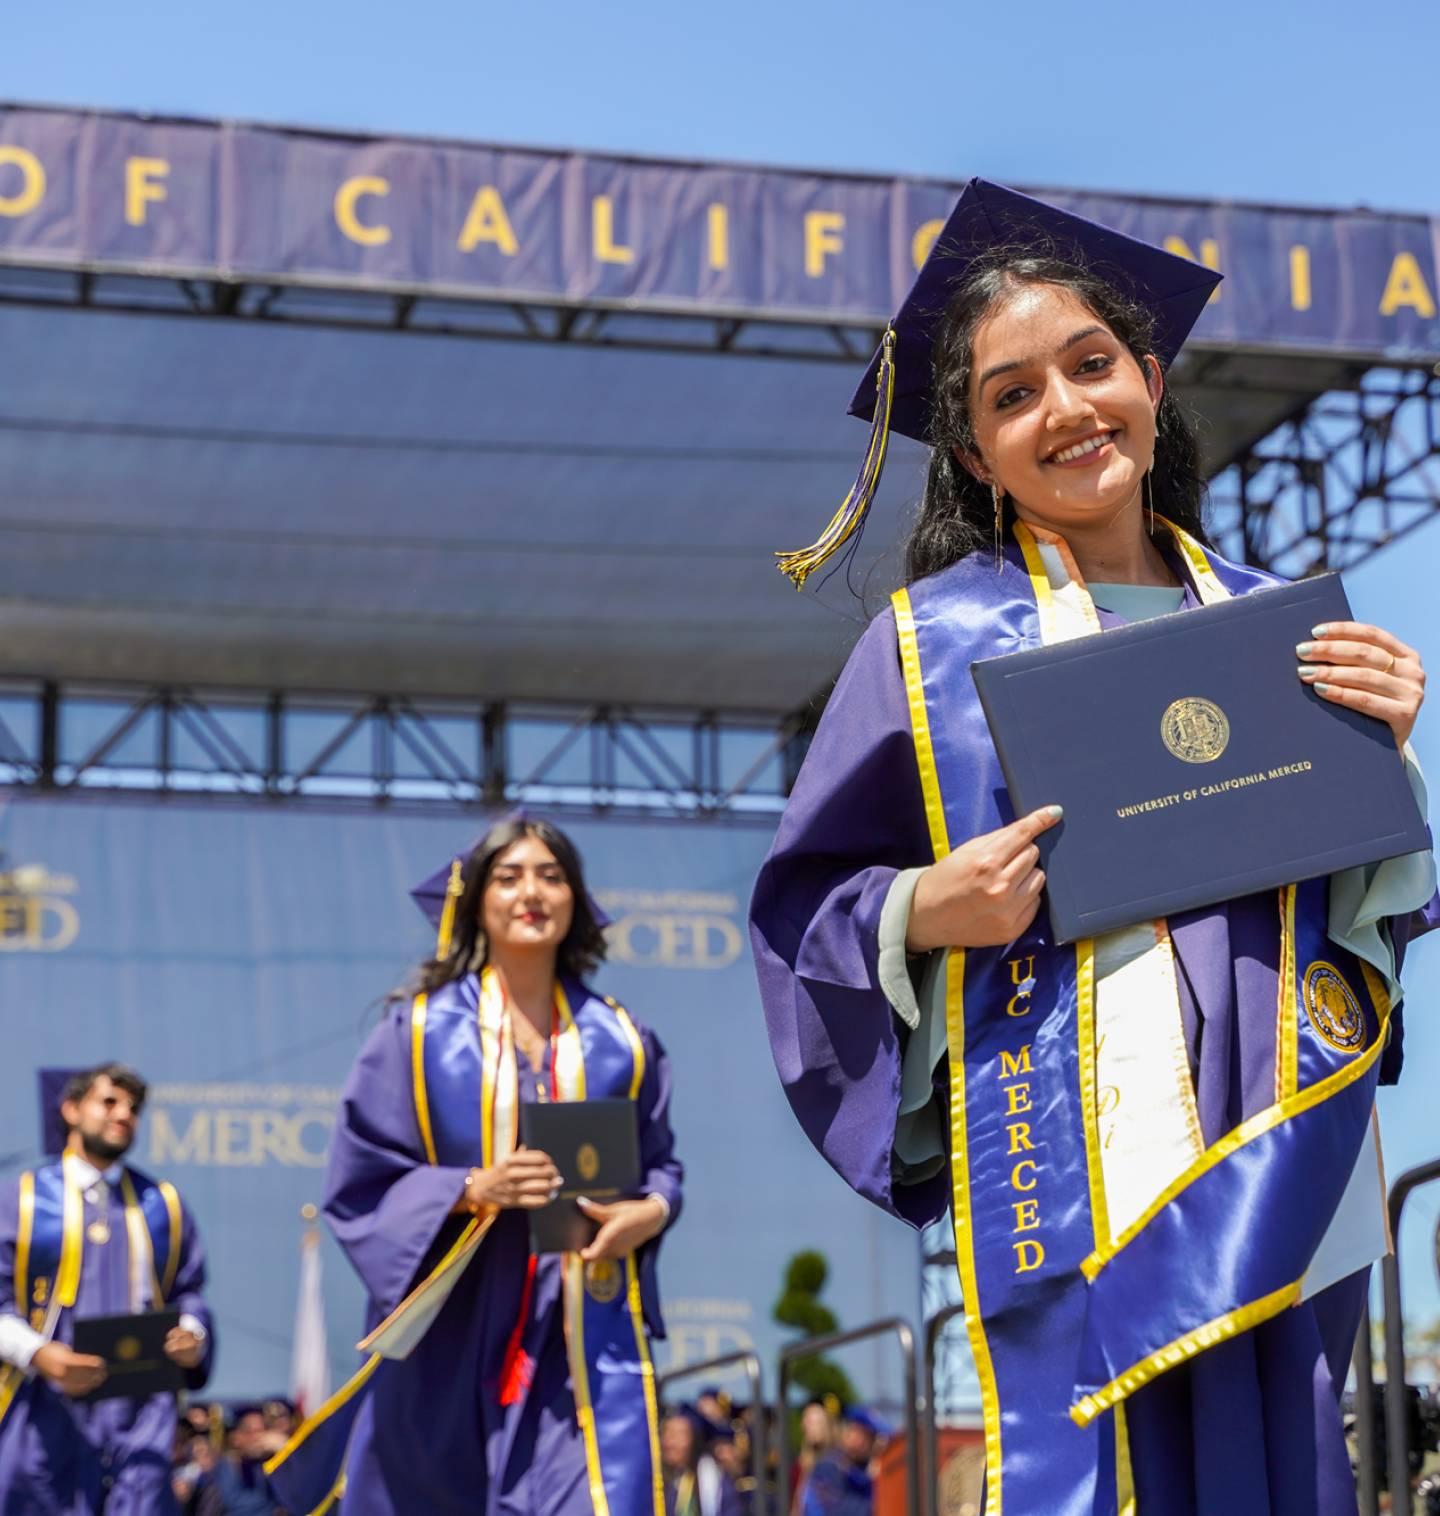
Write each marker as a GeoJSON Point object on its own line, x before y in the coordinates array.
{"type": "Point", "coordinates": [238, 955]}
{"type": "Point", "coordinates": [246, 202]}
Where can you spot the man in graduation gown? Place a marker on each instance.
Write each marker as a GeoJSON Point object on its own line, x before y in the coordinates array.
{"type": "Point", "coordinates": [91, 1236]}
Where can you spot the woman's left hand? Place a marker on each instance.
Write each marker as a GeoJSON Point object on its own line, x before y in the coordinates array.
{"type": "Point", "coordinates": [1367, 669]}
{"type": "Point", "coordinates": [624, 1226]}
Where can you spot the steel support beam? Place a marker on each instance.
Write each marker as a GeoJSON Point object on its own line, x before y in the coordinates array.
{"type": "Point", "coordinates": [396, 749]}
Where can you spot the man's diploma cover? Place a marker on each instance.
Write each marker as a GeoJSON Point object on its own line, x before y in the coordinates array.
{"type": "Point", "coordinates": [1192, 763]}
{"type": "Point", "coordinates": [133, 1348]}
{"type": "Point", "coordinates": [596, 1146]}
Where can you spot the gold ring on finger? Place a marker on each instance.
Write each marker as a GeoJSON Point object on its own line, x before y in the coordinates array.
{"type": "Point", "coordinates": [1389, 665]}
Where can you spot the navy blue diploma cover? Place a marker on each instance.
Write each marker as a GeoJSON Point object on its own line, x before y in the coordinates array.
{"type": "Point", "coordinates": [133, 1348]}
{"type": "Point", "coordinates": [596, 1146]}
{"type": "Point", "coordinates": [1192, 763]}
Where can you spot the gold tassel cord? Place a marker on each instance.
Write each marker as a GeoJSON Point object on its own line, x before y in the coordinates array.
{"type": "Point", "coordinates": [799, 564]}
{"type": "Point", "coordinates": [453, 890]}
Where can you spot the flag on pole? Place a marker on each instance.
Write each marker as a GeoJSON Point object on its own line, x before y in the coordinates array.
{"type": "Point", "coordinates": [309, 1361]}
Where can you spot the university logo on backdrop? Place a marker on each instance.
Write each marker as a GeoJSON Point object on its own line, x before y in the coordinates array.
{"type": "Point", "coordinates": [673, 929]}
{"type": "Point", "coordinates": [37, 911]}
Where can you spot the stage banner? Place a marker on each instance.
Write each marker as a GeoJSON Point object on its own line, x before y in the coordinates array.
{"type": "Point", "coordinates": [238, 955]}
{"type": "Point", "coordinates": [245, 203]}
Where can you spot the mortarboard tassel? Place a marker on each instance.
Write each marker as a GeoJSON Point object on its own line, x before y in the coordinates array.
{"type": "Point", "coordinates": [799, 565]}
{"type": "Point", "coordinates": [453, 891]}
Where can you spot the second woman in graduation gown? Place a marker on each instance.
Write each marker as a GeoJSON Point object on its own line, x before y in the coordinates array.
{"type": "Point", "coordinates": [500, 1383]}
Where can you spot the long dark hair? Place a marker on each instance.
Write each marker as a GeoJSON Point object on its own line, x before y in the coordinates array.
{"type": "Point", "coordinates": [957, 513]}
{"type": "Point", "coordinates": [584, 946]}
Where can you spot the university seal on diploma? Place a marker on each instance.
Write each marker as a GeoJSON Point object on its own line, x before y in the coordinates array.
{"type": "Point", "coordinates": [1195, 729]}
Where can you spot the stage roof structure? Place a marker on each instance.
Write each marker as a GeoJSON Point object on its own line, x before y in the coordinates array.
{"type": "Point", "coordinates": [306, 412]}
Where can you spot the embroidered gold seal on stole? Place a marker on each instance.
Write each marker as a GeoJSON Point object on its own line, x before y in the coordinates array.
{"type": "Point", "coordinates": [602, 1280]}
{"type": "Point", "coordinates": [1333, 1010]}
{"type": "Point", "coordinates": [1194, 729]}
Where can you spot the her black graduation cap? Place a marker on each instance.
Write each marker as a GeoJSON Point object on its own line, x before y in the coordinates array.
{"type": "Point", "coordinates": [897, 391]}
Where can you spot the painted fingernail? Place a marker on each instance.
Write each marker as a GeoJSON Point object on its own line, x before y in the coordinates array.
{"type": "Point", "coordinates": [1321, 689]}
{"type": "Point", "coordinates": [1055, 812]}
{"type": "Point", "coordinates": [1307, 671]}
{"type": "Point", "coordinates": [1304, 649]}
{"type": "Point", "coordinates": [1323, 630]}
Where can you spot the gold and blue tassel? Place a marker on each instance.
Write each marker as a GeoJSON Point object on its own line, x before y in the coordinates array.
{"type": "Point", "coordinates": [454, 888]}
{"type": "Point", "coordinates": [800, 564]}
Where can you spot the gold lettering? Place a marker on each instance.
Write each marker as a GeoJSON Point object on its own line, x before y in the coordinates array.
{"type": "Point", "coordinates": [1209, 256]}
{"type": "Point", "coordinates": [228, 1126]}
{"type": "Point", "coordinates": [1109, 1100]}
{"type": "Point", "coordinates": [1406, 286]}
{"type": "Point", "coordinates": [486, 221]}
{"type": "Point", "coordinates": [675, 941]}
{"type": "Point", "coordinates": [346, 217]}
{"type": "Point", "coordinates": [140, 187]}
{"type": "Point", "coordinates": [1016, 977]}
{"type": "Point", "coordinates": [1025, 1163]}
{"type": "Point", "coordinates": [717, 226]}
{"type": "Point", "coordinates": [823, 236]}
{"type": "Point", "coordinates": [269, 1137]}
{"type": "Point", "coordinates": [1027, 1215]}
{"type": "Point", "coordinates": [1018, 1098]}
{"type": "Point", "coordinates": [602, 219]}
{"type": "Point", "coordinates": [924, 239]}
{"type": "Point", "coordinates": [32, 181]}
{"type": "Point", "coordinates": [166, 1144]}
{"type": "Point", "coordinates": [1022, 999]}
{"type": "Point", "coordinates": [1029, 1255]}
{"type": "Point", "coordinates": [1011, 1067]}
{"type": "Point", "coordinates": [1300, 277]}
{"type": "Point", "coordinates": [1020, 1137]}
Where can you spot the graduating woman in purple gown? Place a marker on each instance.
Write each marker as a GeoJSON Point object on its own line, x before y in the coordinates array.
{"type": "Point", "coordinates": [500, 1382]}
{"type": "Point", "coordinates": [1159, 1144]}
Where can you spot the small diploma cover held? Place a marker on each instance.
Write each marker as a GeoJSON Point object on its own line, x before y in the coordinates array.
{"type": "Point", "coordinates": [133, 1348]}
{"type": "Point", "coordinates": [1192, 763]}
{"type": "Point", "coordinates": [596, 1146]}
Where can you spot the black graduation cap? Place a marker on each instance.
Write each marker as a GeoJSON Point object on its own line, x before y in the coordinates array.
{"type": "Point", "coordinates": [896, 393]}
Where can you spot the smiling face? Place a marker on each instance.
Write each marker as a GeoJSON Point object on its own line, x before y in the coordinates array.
{"type": "Point", "coordinates": [528, 903]}
{"type": "Point", "coordinates": [1063, 415]}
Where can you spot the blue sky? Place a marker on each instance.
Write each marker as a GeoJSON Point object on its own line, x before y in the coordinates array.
{"type": "Point", "coordinates": [1326, 104]}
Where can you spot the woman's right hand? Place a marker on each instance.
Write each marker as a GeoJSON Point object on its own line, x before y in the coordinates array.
{"type": "Point", "coordinates": [985, 893]}
{"type": "Point", "coordinates": [523, 1180]}
{"type": "Point", "coordinates": [73, 1374]}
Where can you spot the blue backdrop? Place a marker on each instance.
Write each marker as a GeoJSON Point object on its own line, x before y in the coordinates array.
{"type": "Point", "coordinates": [238, 954]}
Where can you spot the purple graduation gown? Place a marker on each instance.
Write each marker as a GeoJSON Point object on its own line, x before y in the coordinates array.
{"type": "Point", "coordinates": [432, 1436]}
{"type": "Point", "coordinates": [61, 1458]}
{"type": "Point", "coordinates": [1250, 1427]}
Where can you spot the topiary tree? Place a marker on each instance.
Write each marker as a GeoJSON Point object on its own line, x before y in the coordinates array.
{"type": "Point", "coordinates": [800, 1306]}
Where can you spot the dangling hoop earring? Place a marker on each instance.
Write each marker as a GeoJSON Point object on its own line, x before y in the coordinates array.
{"type": "Point", "coordinates": [998, 496]}
{"type": "Point", "coordinates": [1148, 489]}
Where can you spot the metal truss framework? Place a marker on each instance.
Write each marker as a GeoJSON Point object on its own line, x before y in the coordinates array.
{"type": "Point", "coordinates": [1346, 475]}
{"type": "Point", "coordinates": [391, 749]}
